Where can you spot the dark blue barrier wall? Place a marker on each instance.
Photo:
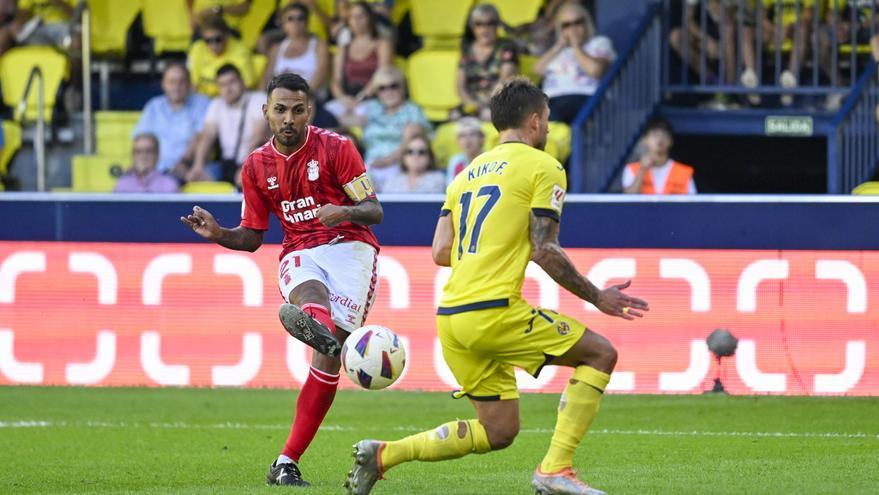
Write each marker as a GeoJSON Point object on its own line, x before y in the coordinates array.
{"type": "Point", "coordinates": [607, 221]}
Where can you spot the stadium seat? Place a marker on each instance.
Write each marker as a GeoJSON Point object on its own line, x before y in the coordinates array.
{"type": "Point", "coordinates": [251, 24]}
{"type": "Point", "coordinates": [11, 144]}
{"type": "Point", "coordinates": [96, 173]}
{"type": "Point", "coordinates": [440, 18]}
{"type": "Point", "coordinates": [558, 143]}
{"type": "Point", "coordinates": [113, 132]}
{"type": "Point", "coordinates": [15, 68]}
{"type": "Point", "coordinates": [167, 22]}
{"type": "Point", "coordinates": [208, 187]}
{"type": "Point", "coordinates": [445, 141]}
{"type": "Point", "coordinates": [526, 67]}
{"type": "Point", "coordinates": [517, 12]}
{"type": "Point", "coordinates": [867, 188]}
{"type": "Point", "coordinates": [111, 20]}
{"type": "Point", "coordinates": [259, 66]}
{"type": "Point", "coordinates": [431, 76]}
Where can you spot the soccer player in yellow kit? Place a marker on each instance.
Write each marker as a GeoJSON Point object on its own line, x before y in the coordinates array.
{"type": "Point", "coordinates": [500, 212]}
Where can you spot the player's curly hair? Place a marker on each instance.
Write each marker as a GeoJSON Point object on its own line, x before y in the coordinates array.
{"type": "Point", "coordinates": [514, 102]}
{"type": "Point", "coordinates": [290, 81]}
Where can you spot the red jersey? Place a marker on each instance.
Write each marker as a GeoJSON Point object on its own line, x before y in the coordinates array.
{"type": "Point", "coordinates": [294, 187]}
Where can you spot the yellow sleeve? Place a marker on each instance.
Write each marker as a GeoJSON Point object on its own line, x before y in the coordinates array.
{"type": "Point", "coordinates": [549, 186]}
{"type": "Point", "coordinates": [451, 199]}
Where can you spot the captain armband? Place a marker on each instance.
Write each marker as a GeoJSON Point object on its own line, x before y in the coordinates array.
{"type": "Point", "coordinates": [359, 189]}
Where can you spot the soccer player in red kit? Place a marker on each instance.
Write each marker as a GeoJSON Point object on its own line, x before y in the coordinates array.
{"type": "Point", "coordinates": [315, 182]}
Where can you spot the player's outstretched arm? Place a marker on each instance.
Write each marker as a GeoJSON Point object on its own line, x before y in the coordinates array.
{"type": "Point", "coordinates": [240, 238]}
{"type": "Point", "coordinates": [366, 212]}
{"type": "Point", "coordinates": [549, 255]}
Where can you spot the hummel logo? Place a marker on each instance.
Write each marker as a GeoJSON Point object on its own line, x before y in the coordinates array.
{"type": "Point", "coordinates": [273, 182]}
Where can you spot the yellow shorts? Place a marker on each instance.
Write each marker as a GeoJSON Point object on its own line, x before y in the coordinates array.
{"type": "Point", "coordinates": [481, 347]}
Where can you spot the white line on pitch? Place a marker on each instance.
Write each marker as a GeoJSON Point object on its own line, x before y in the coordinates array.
{"type": "Point", "coordinates": [247, 426]}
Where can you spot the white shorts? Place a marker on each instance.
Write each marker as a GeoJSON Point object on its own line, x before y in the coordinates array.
{"type": "Point", "coordinates": [347, 269]}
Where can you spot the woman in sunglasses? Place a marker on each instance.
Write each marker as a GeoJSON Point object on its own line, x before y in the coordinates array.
{"type": "Point", "coordinates": [299, 52]}
{"type": "Point", "coordinates": [486, 62]}
{"type": "Point", "coordinates": [417, 172]}
{"type": "Point", "coordinates": [391, 119]}
{"type": "Point", "coordinates": [574, 66]}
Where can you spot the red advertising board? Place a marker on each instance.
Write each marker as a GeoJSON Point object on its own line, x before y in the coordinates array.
{"type": "Point", "coordinates": [199, 315]}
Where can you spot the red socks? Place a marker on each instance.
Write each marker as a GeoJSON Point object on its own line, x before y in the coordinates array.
{"type": "Point", "coordinates": [321, 314]}
{"type": "Point", "coordinates": [314, 401]}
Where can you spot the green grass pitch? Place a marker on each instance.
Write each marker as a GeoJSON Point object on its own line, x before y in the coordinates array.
{"type": "Point", "coordinates": [186, 441]}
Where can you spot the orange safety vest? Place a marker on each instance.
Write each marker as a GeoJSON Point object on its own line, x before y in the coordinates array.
{"type": "Point", "coordinates": [678, 181]}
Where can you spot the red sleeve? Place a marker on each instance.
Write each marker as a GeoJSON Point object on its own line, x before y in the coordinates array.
{"type": "Point", "coordinates": [349, 164]}
{"type": "Point", "coordinates": [254, 211]}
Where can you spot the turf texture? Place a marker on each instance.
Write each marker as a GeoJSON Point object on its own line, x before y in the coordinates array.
{"type": "Point", "coordinates": [194, 441]}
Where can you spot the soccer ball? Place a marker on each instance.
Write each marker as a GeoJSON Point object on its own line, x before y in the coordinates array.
{"type": "Point", "coordinates": [373, 357]}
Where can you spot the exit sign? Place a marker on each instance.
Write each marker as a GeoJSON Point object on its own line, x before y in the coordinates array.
{"type": "Point", "coordinates": [800, 126]}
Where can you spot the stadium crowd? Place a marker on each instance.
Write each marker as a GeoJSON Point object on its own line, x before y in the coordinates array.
{"type": "Point", "coordinates": [354, 54]}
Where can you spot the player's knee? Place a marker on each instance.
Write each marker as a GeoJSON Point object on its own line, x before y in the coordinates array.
{"type": "Point", "coordinates": [502, 436]}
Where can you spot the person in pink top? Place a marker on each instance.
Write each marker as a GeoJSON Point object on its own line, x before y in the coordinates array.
{"type": "Point", "coordinates": [143, 177]}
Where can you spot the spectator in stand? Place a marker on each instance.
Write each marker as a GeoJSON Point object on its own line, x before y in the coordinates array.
{"type": "Point", "coordinates": [143, 177]}
{"type": "Point", "coordinates": [417, 172]}
{"type": "Point", "coordinates": [215, 49]}
{"type": "Point", "coordinates": [355, 63]}
{"type": "Point", "coordinates": [574, 66]}
{"type": "Point", "coordinates": [235, 118]}
{"type": "Point", "coordinates": [302, 53]}
{"type": "Point", "coordinates": [486, 61]}
{"type": "Point", "coordinates": [299, 52]}
{"type": "Point", "coordinates": [232, 12]}
{"type": "Point", "coordinates": [174, 118]}
{"type": "Point", "coordinates": [795, 18]}
{"type": "Point", "coordinates": [471, 140]}
{"type": "Point", "coordinates": [390, 120]}
{"type": "Point", "coordinates": [656, 172]}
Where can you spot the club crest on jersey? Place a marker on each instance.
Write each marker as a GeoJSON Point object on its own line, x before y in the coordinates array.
{"type": "Point", "coordinates": [313, 170]}
{"type": "Point", "coordinates": [563, 328]}
{"type": "Point", "coordinates": [273, 182]}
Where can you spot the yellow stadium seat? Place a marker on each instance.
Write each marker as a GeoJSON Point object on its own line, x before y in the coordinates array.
{"type": "Point", "coordinates": [431, 76]}
{"type": "Point", "coordinates": [167, 22]}
{"type": "Point", "coordinates": [97, 173]}
{"type": "Point", "coordinates": [440, 18]}
{"type": "Point", "coordinates": [110, 22]}
{"type": "Point", "coordinates": [517, 12]}
{"type": "Point", "coordinates": [558, 143]}
{"type": "Point", "coordinates": [208, 187]}
{"type": "Point", "coordinates": [11, 144]}
{"type": "Point", "coordinates": [113, 132]}
{"type": "Point", "coordinates": [251, 24]}
{"type": "Point", "coordinates": [15, 68]}
{"type": "Point", "coordinates": [526, 67]}
{"type": "Point", "coordinates": [867, 188]}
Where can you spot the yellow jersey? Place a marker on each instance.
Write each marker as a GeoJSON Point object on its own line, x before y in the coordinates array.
{"type": "Point", "coordinates": [490, 204]}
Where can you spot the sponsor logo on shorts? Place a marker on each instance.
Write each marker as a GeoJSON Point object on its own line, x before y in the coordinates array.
{"type": "Point", "coordinates": [563, 328]}
{"type": "Point", "coordinates": [345, 301]}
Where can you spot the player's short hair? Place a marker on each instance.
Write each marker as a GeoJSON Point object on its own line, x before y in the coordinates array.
{"type": "Point", "coordinates": [514, 102]}
{"type": "Point", "coordinates": [228, 69]}
{"type": "Point", "coordinates": [658, 125]}
{"type": "Point", "coordinates": [289, 81]}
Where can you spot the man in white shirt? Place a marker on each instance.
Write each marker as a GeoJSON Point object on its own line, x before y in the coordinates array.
{"type": "Point", "coordinates": [655, 172]}
{"type": "Point", "coordinates": [235, 118]}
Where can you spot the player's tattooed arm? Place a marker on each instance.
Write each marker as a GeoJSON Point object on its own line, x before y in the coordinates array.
{"type": "Point", "coordinates": [549, 255]}
{"type": "Point", "coordinates": [366, 212]}
{"type": "Point", "coordinates": [240, 238]}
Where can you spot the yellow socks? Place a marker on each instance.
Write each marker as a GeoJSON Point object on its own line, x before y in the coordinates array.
{"type": "Point", "coordinates": [450, 441]}
{"type": "Point", "coordinates": [577, 409]}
